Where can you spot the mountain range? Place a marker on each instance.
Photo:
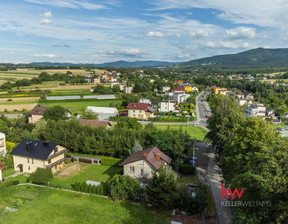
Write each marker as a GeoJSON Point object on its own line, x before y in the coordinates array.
{"type": "Point", "coordinates": [255, 58]}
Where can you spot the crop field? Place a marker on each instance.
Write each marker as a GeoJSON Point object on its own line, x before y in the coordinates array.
{"type": "Point", "coordinates": [19, 107]}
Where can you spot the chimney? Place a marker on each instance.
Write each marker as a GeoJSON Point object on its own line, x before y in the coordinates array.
{"type": "Point", "coordinates": [29, 146]}
{"type": "Point", "coordinates": [158, 157]}
{"type": "Point", "coordinates": [145, 155]}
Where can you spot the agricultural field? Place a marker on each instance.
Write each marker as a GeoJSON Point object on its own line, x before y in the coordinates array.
{"type": "Point", "coordinates": [194, 131]}
{"type": "Point", "coordinates": [81, 172]}
{"type": "Point", "coordinates": [44, 205]}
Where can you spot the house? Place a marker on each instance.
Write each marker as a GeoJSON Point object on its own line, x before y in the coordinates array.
{"type": "Point", "coordinates": [96, 80]}
{"type": "Point", "coordinates": [241, 102]}
{"type": "Point", "coordinates": [255, 110]}
{"type": "Point", "coordinates": [168, 106]}
{"type": "Point", "coordinates": [143, 100]}
{"type": "Point", "coordinates": [165, 89]}
{"type": "Point", "coordinates": [31, 154]}
{"type": "Point", "coordinates": [245, 96]}
{"type": "Point", "coordinates": [142, 164]}
{"type": "Point", "coordinates": [178, 89]}
{"type": "Point", "coordinates": [94, 123]}
{"type": "Point", "coordinates": [104, 113]}
{"type": "Point", "coordinates": [36, 114]}
{"type": "Point", "coordinates": [128, 89]}
{"type": "Point", "coordinates": [221, 91]}
{"type": "Point", "coordinates": [178, 82]}
{"type": "Point", "coordinates": [190, 88]}
{"type": "Point", "coordinates": [140, 111]}
{"type": "Point", "coordinates": [180, 97]}
{"type": "Point", "coordinates": [2, 144]}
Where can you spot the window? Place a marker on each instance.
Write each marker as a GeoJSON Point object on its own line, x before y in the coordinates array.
{"type": "Point", "coordinates": [140, 162]}
{"type": "Point", "coordinates": [32, 161]}
{"type": "Point", "coordinates": [27, 160]}
{"type": "Point", "coordinates": [28, 167]}
{"type": "Point", "coordinates": [49, 161]}
{"type": "Point", "coordinates": [142, 171]}
{"type": "Point", "coordinates": [132, 169]}
{"type": "Point", "coordinates": [55, 150]}
{"type": "Point", "coordinates": [133, 111]}
{"type": "Point", "coordinates": [140, 111]}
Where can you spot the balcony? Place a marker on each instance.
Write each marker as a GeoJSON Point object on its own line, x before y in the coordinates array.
{"type": "Point", "coordinates": [57, 154]}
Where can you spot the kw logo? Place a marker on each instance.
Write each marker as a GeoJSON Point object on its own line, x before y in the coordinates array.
{"type": "Point", "coordinates": [225, 192]}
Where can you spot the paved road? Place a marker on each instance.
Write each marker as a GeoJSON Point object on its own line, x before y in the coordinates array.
{"type": "Point", "coordinates": [213, 177]}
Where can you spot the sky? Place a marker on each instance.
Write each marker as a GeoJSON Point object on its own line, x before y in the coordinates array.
{"type": "Point", "coordinates": [97, 31]}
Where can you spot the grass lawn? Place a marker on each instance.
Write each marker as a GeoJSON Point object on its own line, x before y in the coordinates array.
{"type": "Point", "coordinates": [194, 131]}
{"type": "Point", "coordinates": [42, 205]}
{"type": "Point", "coordinates": [80, 106]}
{"type": "Point", "coordinates": [188, 179]}
{"type": "Point", "coordinates": [8, 172]}
{"type": "Point", "coordinates": [81, 172]}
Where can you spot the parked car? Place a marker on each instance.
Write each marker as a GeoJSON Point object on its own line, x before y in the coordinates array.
{"type": "Point", "coordinates": [207, 116]}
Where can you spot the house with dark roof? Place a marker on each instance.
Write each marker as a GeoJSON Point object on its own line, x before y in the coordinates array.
{"type": "Point", "coordinates": [179, 89]}
{"type": "Point", "coordinates": [37, 113]}
{"type": "Point", "coordinates": [141, 111]}
{"type": "Point", "coordinates": [95, 123]}
{"type": "Point", "coordinates": [142, 164]}
{"type": "Point", "coordinates": [31, 154]}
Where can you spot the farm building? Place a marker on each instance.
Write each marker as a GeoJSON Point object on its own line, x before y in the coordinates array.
{"type": "Point", "coordinates": [2, 144]}
{"type": "Point", "coordinates": [103, 112]}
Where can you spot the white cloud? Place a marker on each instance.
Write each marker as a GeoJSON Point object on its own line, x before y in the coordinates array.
{"type": "Point", "coordinates": [226, 44]}
{"type": "Point", "coordinates": [241, 33]}
{"type": "Point", "coordinates": [44, 55]}
{"type": "Point", "coordinates": [155, 34]}
{"type": "Point", "coordinates": [75, 4]}
{"type": "Point", "coordinates": [199, 33]}
{"type": "Point", "coordinates": [129, 52]}
{"type": "Point", "coordinates": [48, 14]}
{"type": "Point", "coordinates": [45, 21]}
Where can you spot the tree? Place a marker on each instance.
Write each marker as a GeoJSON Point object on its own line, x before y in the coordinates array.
{"type": "Point", "coordinates": [124, 188]}
{"type": "Point", "coordinates": [162, 189]}
{"type": "Point", "coordinates": [41, 176]}
{"type": "Point", "coordinates": [137, 147]}
{"type": "Point", "coordinates": [89, 114]}
{"type": "Point", "coordinates": [54, 113]}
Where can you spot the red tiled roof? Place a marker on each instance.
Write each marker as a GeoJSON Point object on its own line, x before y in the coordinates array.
{"type": "Point", "coordinates": [93, 123]}
{"type": "Point", "coordinates": [178, 88]}
{"type": "Point", "coordinates": [151, 157]}
{"type": "Point", "coordinates": [138, 106]}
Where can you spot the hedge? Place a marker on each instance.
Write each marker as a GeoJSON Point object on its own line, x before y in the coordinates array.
{"type": "Point", "coordinates": [110, 161]}
{"type": "Point", "coordinates": [83, 187]}
{"type": "Point", "coordinates": [187, 169]}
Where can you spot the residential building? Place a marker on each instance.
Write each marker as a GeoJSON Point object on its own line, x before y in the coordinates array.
{"type": "Point", "coordinates": [180, 97]}
{"type": "Point", "coordinates": [2, 144]}
{"type": "Point", "coordinates": [178, 82]}
{"type": "Point", "coordinates": [241, 102]}
{"type": "Point", "coordinates": [255, 110]}
{"type": "Point", "coordinates": [168, 106]}
{"type": "Point", "coordinates": [96, 80]}
{"type": "Point", "coordinates": [143, 100]}
{"type": "Point", "coordinates": [31, 154]}
{"type": "Point", "coordinates": [140, 111]}
{"type": "Point", "coordinates": [104, 113]}
{"type": "Point", "coordinates": [142, 164]}
{"type": "Point", "coordinates": [245, 96]}
{"type": "Point", "coordinates": [94, 123]}
{"type": "Point", "coordinates": [36, 114]}
{"type": "Point", "coordinates": [165, 89]}
{"type": "Point", "coordinates": [128, 89]}
{"type": "Point", "coordinates": [190, 88]}
{"type": "Point", "coordinates": [178, 89]}
{"type": "Point", "coordinates": [221, 91]}
{"type": "Point", "coordinates": [112, 84]}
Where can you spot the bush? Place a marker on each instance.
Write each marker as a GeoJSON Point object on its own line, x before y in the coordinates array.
{"type": "Point", "coordinates": [110, 161]}
{"type": "Point", "coordinates": [187, 169]}
{"type": "Point", "coordinates": [41, 176]}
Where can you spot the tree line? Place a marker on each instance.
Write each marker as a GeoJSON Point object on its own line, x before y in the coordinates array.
{"type": "Point", "coordinates": [254, 157]}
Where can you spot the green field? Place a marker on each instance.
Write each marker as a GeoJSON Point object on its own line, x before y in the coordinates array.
{"type": "Point", "coordinates": [194, 131]}
{"type": "Point", "coordinates": [79, 106]}
{"type": "Point", "coordinates": [42, 205]}
{"type": "Point", "coordinates": [98, 173]}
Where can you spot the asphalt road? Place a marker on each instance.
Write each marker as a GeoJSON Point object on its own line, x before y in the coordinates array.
{"type": "Point", "coordinates": [212, 177]}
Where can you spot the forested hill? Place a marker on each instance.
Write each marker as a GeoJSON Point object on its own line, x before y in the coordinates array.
{"type": "Point", "coordinates": [256, 58]}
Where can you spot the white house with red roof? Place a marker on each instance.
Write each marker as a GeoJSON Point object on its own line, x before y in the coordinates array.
{"type": "Point", "coordinates": [142, 164]}
{"type": "Point", "coordinates": [141, 111]}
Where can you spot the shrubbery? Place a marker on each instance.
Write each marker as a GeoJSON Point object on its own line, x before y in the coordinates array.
{"type": "Point", "coordinates": [187, 169]}
{"type": "Point", "coordinates": [41, 176]}
{"type": "Point", "coordinates": [83, 187]}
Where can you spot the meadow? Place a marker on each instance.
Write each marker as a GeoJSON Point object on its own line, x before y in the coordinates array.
{"type": "Point", "coordinates": [42, 205]}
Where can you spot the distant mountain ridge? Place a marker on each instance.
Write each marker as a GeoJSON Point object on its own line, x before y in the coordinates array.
{"type": "Point", "coordinates": [255, 58]}
{"type": "Point", "coordinates": [113, 64]}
